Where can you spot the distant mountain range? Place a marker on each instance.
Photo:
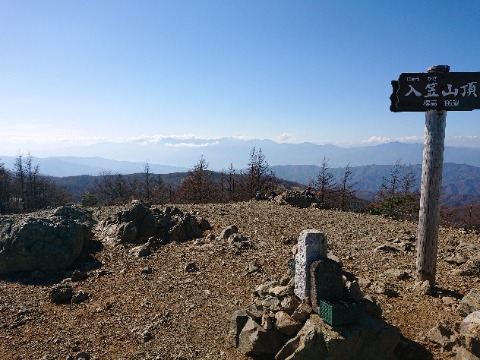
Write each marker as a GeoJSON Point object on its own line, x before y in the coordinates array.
{"type": "Point", "coordinates": [293, 162]}
{"type": "Point", "coordinates": [168, 155]}
{"type": "Point", "coordinates": [74, 166]}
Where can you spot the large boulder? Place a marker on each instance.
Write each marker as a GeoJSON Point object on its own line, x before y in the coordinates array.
{"type": "Point", "coordinates": [469, 336]}
{"type": "Point", "coordinates": [469, 303]}
{"type": "Point", "coordinates": [140, 222]}
{"type": "Point", "coordinates": [295, 198]}
{"type": "Point", "coordinates": [370, 339]}
{"type": "Point", "coordinates": [255, 341]}
{"type": "Point", "coordinates": [50, 242]}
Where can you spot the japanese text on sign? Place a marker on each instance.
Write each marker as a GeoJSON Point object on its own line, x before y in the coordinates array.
{"type": "Point", "coordinates": [426, 91]}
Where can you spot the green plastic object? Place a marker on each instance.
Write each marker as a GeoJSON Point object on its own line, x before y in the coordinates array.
{"type": "Point", "coordinates": [341, 312]}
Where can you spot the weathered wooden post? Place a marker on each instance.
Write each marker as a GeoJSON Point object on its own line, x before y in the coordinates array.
{"type": "Point", "coordinates": [434, 93]}
{"type": "Point", "coordinates": [432, 167]}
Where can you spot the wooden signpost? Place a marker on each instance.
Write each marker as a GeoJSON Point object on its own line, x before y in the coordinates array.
{"type": "Point", "coordinates": [434, 92]}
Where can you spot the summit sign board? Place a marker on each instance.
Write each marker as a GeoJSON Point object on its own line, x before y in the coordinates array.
{"type": "Point", "coordinates": [450, 91]}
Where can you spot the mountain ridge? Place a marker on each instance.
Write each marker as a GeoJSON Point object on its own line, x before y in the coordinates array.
{"type": "Point", "coordinates": [168, 156]}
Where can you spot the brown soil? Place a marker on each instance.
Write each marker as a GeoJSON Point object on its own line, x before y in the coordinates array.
{"type": "Point", "coordinates": [187, 313]}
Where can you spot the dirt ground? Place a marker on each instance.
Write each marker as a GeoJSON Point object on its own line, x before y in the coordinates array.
{"type": "Point", "coordinates": [152, 308]}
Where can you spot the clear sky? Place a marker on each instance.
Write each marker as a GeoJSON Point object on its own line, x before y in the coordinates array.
{"type": "Point", "coordinates": [295, 71]}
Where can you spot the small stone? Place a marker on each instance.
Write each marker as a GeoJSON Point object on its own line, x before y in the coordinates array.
{"type": "Point", "coordinates": [289, 304]}
{"type": "Point", "coordinates": [286, 240]}
{"type": "Point", "coordinates": [61, 294]}
{"type": "Point", "coordinates": [263, 289]}
{"type": "Point", "coordinates": [422, 288]}
{"type": "Point", "coordinates": [141, 251]}
{"type": "Point", "coordinates": [191, 267]}
{"type": "Point", "coordinates": [146, 270]}
{"type": "Point", "coordinates": [280, 291]}
{"type": "Point", "coordinates": [253, 268]}
{"type": "Point", "coordinates": [79, 297]}
{"type": "Point", "coordinates": [303, 311]}
{"type": "Point", "coordinates": [387, 248]}
{"type": "Point", "coordinates": [286, 324]}
{"type": "Point", "coordinates": [147, 336]}
{"type": "Point", "coordinates": [449, 300]}
{"type": "Point", "coordinates": [267, 322]}
{"type": "Point", "coordinates": [456, 259]}
{"type": "Point", "coordinates": [82, 356]}
{"type": "Point", "coordinates": [398, 274]}
{"type": "Point", "coordinates": [228, 231]}
{"type": "Point", "coordinates": [79, 275]}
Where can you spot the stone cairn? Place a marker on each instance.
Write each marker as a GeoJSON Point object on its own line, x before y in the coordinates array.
{"type": "Point", "coordinates": [283, 321]}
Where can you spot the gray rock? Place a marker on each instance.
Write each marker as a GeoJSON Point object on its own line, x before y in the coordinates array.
{"type": "Point", "coordinates": [370, 339]}
{"type": "Point", "coordinates": [469, 303]}
{"type": "Point", "coordinates": [388, 248]}
{"type": "Point", "coordinates": [470, 268]}
{"type": "Point", "coordinates": [191, 267]}
{"type": "Point", "coordinates": [141, 251]}
{"type": "Point", "coordinates": [147, 336]}
{"type": "Point", "coordinates": [268, 321]}
{"type": "Point", "coordinates": [294, 198]}
{"type": "Point", "coordinates": [303, 311]}
{"type": "Point", "coordinates": [281, 291]}
{"type": "Point", "coordinates": [289, 304]}
{"type": "Point", "coordinates": [456, 259]}
{"type": "Point", "coordinates": [463, 354]}
{"type": "Point", "coordinates": [422, 288]}
{"type": "Point", "coordinates": [397, 274]}
{"type": "Point", "coordinates": [255, 341]}
{"type": "Point", "coordinates": [79, 275]}
{"type": "Point", "coordinates": [228, 231]}
{"type": "Point", "coordinates": [61, 294]}
{"type": "Point", "coordinates": [286, 324]}
{"type": "Point", "coordinates": [139, 223]}
{"type": "Point", "coordinates": [79, 297]}
{"type": "Point", "coordinates": [237, 322]}
{"type": "Point", "coordinates": [469, 333]}
{"type": "Point", "coordinates": [82, 356]}
{"type": "Point", "coordinates": [146, 270]}
{"type": "Point", "coordinates": [440, 335]}
{"type": "Point", "coordinates": [46, 243]}
{"type": "Point", "coordinates": [307, 344]}
{"type": "Point", "coordinates": [263, 289]}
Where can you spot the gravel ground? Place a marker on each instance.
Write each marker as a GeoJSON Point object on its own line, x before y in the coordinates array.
{"type": "Point", "coordinates": [153, 308]}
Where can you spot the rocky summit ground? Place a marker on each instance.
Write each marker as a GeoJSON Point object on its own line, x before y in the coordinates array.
{"type": "Point", "coordinates": [177, 302]}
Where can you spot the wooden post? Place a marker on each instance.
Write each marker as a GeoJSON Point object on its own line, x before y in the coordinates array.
{"type": "Point", "coordinates": [432, 167]}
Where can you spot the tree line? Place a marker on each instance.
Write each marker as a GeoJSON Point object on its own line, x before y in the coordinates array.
{"type": "Point", "coordinates": [199, 185]}
{"type": "Point", "coordinates": [24, 189]}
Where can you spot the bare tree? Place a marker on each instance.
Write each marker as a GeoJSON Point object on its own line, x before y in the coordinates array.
{"type": "Point", "coordinates": [324, 184]}
{"type": "Point", "coordinates": [258, 178]}
{"type": "Point", "coordinates": [112, 189]}
{"type": "Point", "coordinates": [5, 189]}
{"type": "Point", "coordinates": [397, 196]}
{"type": "Point", "coordinates": [198, 185]}
{"type": "Point", "coordinates": [346, 189]}
{"type": "Point", "coordinates": [147, 177]}
{"type": "Point", "coordinates": [19, 183]}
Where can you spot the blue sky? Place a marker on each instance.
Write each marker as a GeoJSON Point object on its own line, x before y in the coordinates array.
{"type": "Point", "coordinates": [78, 72]}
